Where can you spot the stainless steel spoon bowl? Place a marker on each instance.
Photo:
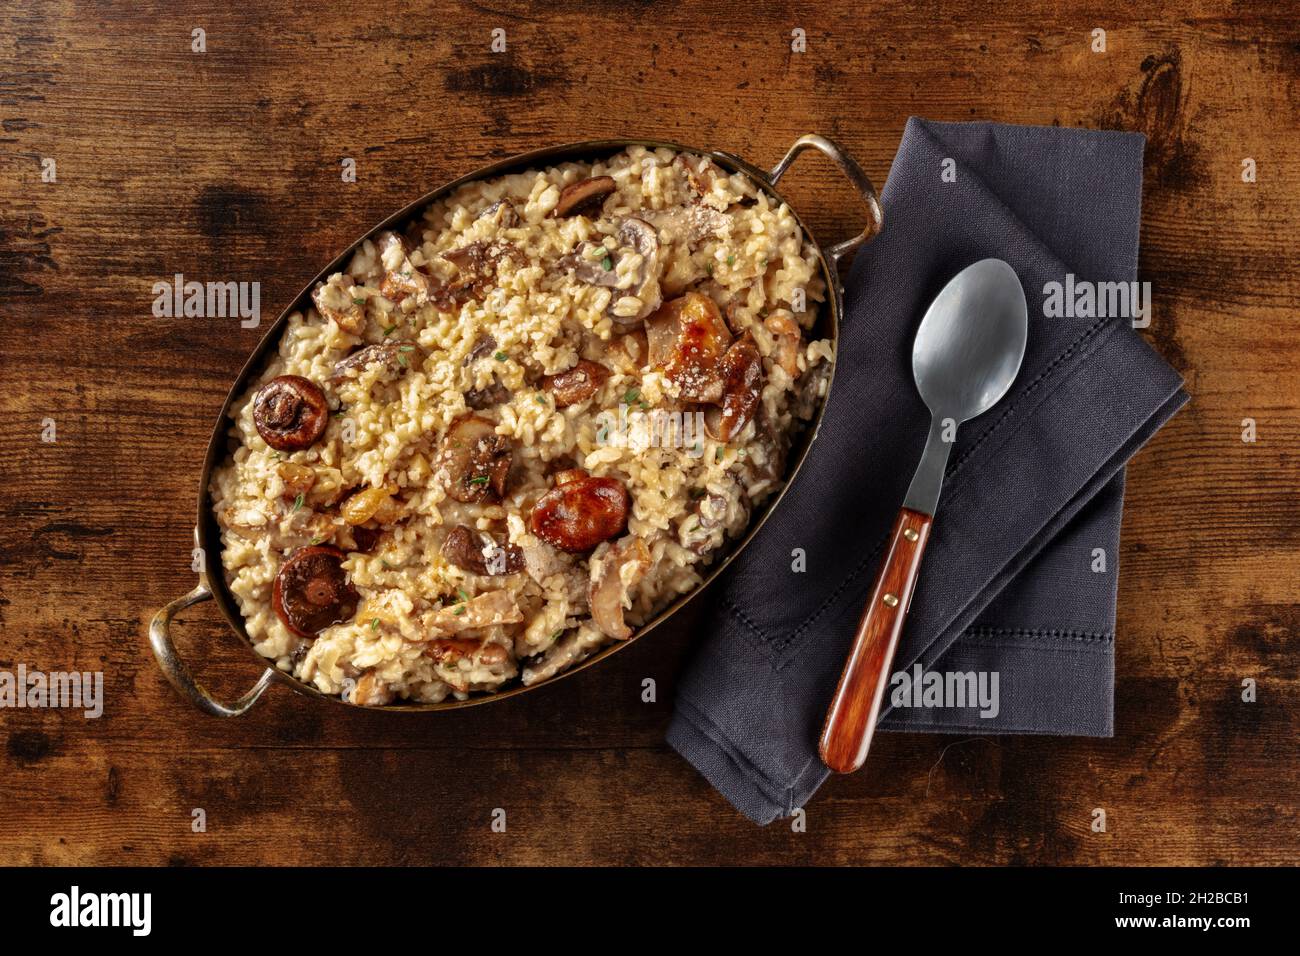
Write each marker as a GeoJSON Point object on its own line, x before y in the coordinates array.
{"type": "Point", "coordinates": [967, 353]}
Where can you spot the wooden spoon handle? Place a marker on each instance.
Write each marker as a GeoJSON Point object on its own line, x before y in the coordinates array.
{"type": "Point", "coordinates": [851, 719]}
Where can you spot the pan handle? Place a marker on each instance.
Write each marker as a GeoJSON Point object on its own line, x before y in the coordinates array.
{"type": "Point", "coordinates": [861, 182]}
{"type": "Point", "coordinates": [179, 675]}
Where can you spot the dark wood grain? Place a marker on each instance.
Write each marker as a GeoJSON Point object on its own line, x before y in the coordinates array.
{"type": "Point", "coordinates": [226, 166]}
{"type": "Point", "coordinates": [855, 705]}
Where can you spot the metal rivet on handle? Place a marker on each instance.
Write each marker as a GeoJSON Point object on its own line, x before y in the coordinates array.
{"type": "Point", "coordinates": [891, 600]}
{"type": "Point", "coordinates": [910, 534]}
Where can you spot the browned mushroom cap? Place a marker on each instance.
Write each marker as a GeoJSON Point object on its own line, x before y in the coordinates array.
{"type": "Point", "coordinates": [475, 460]}
{"type": "Point", "coordinates": [581, 512]}
{"type": "Point", "coordinates": [583, 197]}
{"type": "Point", "coordinates": [290, 412]}
{"type": "Point", "coordinates": [576, 384]}
{"type": "Point", "coordinates": [742, 387]}
{"type": "Point", "coordinates": [687, 338]}
{"type": "Point", "coordinates": [479, 553]}
{"type": "Point", "coordinates": [311, 592]}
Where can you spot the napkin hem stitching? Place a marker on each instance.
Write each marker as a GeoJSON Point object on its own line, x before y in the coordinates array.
{"type": "Point", "coordinates": [1068, 634]}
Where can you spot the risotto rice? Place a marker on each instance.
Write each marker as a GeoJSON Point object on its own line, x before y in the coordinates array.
{"type": "Point", "coordinates": [512, 433]}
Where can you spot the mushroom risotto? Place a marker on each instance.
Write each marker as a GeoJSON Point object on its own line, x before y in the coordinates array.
{"type": "Point", "coordinates": [514, 432]}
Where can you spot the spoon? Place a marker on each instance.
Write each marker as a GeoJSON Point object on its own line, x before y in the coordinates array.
{"type": "Point", "coordinates": [967, 353]}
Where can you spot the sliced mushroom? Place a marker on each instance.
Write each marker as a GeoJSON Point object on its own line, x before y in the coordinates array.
{"type": "Point", "coordinates": [364, 539]}
{"type": "Point", "coordinates": [339, 301]}
{"type": "Point", "coordinates": [700, 172]}
{"type": "Point", "coordinates": [502, 213]}
{"type": "Point", "coordinates": [542, 561]}
{"type": "Point", "coordinates": [388, 354]}
{"type": "Point", "coordinates": [401, 278]}
{"type": "Point", "coordinates": [487, 396]}
{"type": "Point", "coordinates": [661, 331]}
{"type": "Point", "coordinates": [615, 569]}
{"type": "Point", "coordinates": [581, 511]}
{"type": "Point", "coordinates": [785, 333]}
{"type": "Point", "coordinates": [483, 610]}
{"type": "Point", "coordinates": [583, 197]}
{"type": "Point", "coordinates": [593, 264]}
{"type": "Point", "coordinates": [475, 460]}
{"type": "Point", "coordinates": [691, 223]}
{"type": "Point", "coordinates": [767, 453]}
{"type": "Point", "coordinates": [576, 384]}
{"type": "Point", "coordinates": [687, 339]}
{"type": "Point", "coordinates": [479, 553]}
{"type": "Point", "coordinates": [455, 649]}
{"type": "Point", "coordinates": [290, 412]}
{"type": "Point", "coordinates": [477, 264]}
{"type": "Point", "coordinates": [484, 345]}
{"type": "Point", "coordinates": [705, 526]}
{"type": "Point", "coordinates": [741, 369]}
{"type": "Point", "coordinates": [641, 237]}
{"type": "Point", "coordinates": [312, 591]}
{"type": "Point", "coordinates": [568, 650]}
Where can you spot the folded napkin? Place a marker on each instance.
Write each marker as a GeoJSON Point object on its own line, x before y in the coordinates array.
{"type": "Point", "coordinates": [1012, 582]}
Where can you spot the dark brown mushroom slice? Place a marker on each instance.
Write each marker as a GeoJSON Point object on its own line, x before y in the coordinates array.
{"type": "Point", "coordinates": [483, 346]}
{"type": "Point", "coordinates": [576, 384]}
{"type": "Point", "coordinates": [386, 353]}
{"type": "Point", "coordinates": [312, 591]}
{"type": "Point", "coordinates": [404, 280]}
{"type": "Point", "coordinates": [581, 511]}
{"type": "Point", "coordinates": [290, 412]}
{"type": "Point", "coordinates": [475, 459]}
{"type": "Point", "coordinates": [487, 396]}
{"type": "Point", "coordinates": [742, 387]}
{"type": "Point", "coordinates": [502, 213]}
{"type": "Point", "coordinates": [584, 197]}
{"type": "Point", "coordinates": [480, 553]}
{"type": "Point", "coordinates": [365, 538]}
{"type": "Point", "coordinates": [477, 264]}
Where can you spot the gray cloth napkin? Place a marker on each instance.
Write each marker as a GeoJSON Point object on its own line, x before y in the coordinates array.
{"type": "Point", "coordinates": [1011, 581]}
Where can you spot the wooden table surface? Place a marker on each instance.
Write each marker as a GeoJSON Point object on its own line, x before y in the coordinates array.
{"type": "Point", "coordinates": [225, 165]}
